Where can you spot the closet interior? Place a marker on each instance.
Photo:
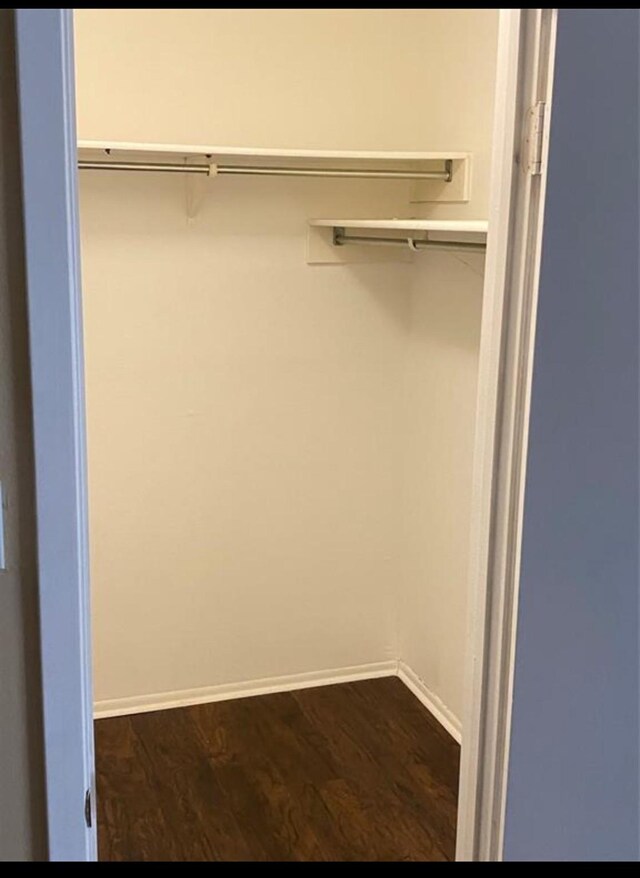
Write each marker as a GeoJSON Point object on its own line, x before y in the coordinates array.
{"type": "Point", "coordinates": [283, 225]}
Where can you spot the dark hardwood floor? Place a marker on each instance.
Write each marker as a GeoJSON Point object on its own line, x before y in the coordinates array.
{"type": "Point", "coordinates": [352, 772]}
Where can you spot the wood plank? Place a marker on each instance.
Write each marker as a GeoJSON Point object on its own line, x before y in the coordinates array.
{"type": "Point", "coordinates": [372, 746]}
{"type": "Point", "coordinates": [130, 816]}
{"type": "Point", "coordinates": [286, 772]}
{"type": "Point", "coordinates": [191, 801]}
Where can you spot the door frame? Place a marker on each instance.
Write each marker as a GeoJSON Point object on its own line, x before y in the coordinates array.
{"type": "Point", "coordinates": [49, 169]}
{"type": "Point", "coordinates": [526, 55]}
{"type": "Point", "coordinates": [46, 95]}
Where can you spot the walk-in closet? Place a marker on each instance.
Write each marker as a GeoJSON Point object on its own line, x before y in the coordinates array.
{"type": "Point", "coordinates": [284, 216]}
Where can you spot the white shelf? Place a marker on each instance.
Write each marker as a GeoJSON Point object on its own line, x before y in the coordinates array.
{"type": "Point", "coordinates": [476, 227]}
{"type": "Point", "coordinates": [97, 148]}
{"type": "Point", "coordinates": [427, 176]}
{"type": "Point", "coordinates": [322, 248]}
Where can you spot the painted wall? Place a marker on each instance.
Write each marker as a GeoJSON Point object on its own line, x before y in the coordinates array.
{"type": "Point", "coordinates": [269, 442]}
{"type": "Point", "coordinates": [22, 817]}
{"type": "Point", "coordinates": [573, 771]}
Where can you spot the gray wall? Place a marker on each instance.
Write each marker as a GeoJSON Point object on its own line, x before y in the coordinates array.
{"type": "Point", "coordinates": [22, 818]}
{"type": "Point", "coordinates": [573, 781]}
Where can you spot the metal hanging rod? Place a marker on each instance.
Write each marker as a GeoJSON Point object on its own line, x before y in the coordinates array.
{"type": "Point", "coordinates": [265, 171]}
{"type": "Point", "coordinates": [340, 239]}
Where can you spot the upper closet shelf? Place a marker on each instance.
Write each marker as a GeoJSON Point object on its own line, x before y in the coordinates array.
{"type": "Point", "coordinates": [210, 161]}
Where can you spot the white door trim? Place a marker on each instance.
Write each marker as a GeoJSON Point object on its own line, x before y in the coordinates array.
{"type": "Point", "coordinates": [524, 77]}
{"type": "Point", "coordinates": [46, 92]}
{"type": "Point", "coordinates": [48, 137]}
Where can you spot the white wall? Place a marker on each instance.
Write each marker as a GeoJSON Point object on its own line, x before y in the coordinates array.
{"type": "Point", "coordinates": [441, 381]}
{"type": "Point", "coordinates": [267, 439]}
{"type": "Point", "coordinates": [244, 438]}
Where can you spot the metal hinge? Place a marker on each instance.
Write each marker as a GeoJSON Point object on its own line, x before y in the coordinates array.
{"type": "Point", "coordinates": [87, 808]}
{"type": "Point", "coordinates": [534, 137]}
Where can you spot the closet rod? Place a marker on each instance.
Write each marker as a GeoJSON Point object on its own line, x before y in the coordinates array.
{"type": "Point", "coordinates": [257, 170]}
{"type": "Point", "coordinates": [340, 240]}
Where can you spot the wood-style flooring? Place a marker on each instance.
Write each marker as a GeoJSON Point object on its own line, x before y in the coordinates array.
{"type": "Point", "coordinates": [351, 772]}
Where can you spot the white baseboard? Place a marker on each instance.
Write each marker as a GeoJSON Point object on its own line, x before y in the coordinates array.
{"type": "Point", "coordinates": [434, 705]}
{"type": "Point", "coordinates": [227, 691]}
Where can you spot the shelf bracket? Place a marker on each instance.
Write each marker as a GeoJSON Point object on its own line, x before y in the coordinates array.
{"type": "Point", "coordinates": [196, 186]}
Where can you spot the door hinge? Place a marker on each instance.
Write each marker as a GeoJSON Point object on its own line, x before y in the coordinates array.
{"type": "Point", "coordinates": [534, 138]}
{"type": "Point", "coordinates": [87, 808]}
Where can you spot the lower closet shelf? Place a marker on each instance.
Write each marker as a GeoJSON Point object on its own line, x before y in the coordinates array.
{"type": "Point", "coordinates": [327, 238]}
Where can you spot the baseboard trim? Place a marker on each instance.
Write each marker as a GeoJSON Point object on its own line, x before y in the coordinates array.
{"type": "Point", "coordinates": [227, 691]}
{"type": "Point", "coordinates": [434, 705]}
